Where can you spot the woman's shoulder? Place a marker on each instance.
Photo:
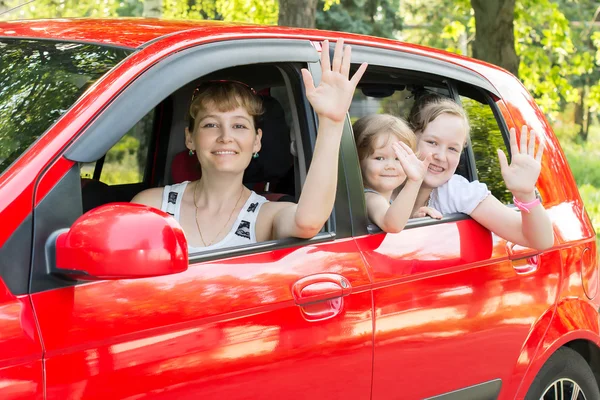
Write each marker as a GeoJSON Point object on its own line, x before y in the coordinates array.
{"type": "Point", "coordinates": [153, 197]}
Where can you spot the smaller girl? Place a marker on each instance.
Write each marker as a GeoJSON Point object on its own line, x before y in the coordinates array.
{"type": "Point", "coordinates": [386, 147]}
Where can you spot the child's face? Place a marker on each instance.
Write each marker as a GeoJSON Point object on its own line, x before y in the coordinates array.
{"type": "Point", "coordinates": [381, 170]}
{"type": "Point", "coordinates": [444, 138]}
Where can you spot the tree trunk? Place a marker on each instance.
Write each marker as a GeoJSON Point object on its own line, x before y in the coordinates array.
{"type": "Point", "coordinates": [152, 8]}
{"type": "Point", "coordinates": [588, 122]}
{"type": "Point", "coordinates": [494, 33]}
{"type": "Point", "coordinates": [579, 112]}
{"type": "Point", "coordinates": [297, 13]}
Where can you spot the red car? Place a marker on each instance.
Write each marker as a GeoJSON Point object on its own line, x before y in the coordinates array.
{"type": "Point", "coordinates": [99, 298]}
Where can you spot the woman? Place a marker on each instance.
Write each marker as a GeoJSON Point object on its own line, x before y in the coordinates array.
{"type": "Point", "coordinates": [217, 210]}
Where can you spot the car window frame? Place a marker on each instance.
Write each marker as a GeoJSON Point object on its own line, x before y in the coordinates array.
{"type": "Point", "coordinates": [94, 143]}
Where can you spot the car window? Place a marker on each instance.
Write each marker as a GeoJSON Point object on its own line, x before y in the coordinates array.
{"type": "Point", "coordinates": [40, 80]}
{"type": "Point", "coordinates": [275, 174]}
{"type": "Point", "coordinates": [126, 161]}
{"type": "Point", "coordinates": [486, 137]}
{"type": "Point", "coordinates": [365, 103]}
{"type": "Point", "coordinates": [391, 91]}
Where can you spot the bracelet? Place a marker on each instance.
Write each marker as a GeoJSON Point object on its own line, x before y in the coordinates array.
{"type": "Point", "coordinates": [526, 206]}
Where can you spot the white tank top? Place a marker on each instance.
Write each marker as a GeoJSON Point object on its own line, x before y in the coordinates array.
{"type": "Point", "coordinates": [243, 230]}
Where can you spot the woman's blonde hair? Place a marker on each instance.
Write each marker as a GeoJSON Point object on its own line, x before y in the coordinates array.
{"type": "Point", "coordinates": [225, 96]}
{"type": "Point", "coordinates": [367, 128]}
{"type": "Point", "coordinates": [429, 107]}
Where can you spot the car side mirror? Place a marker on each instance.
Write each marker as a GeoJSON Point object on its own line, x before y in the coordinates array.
{"type": "Point", "coordinates": [118, 241]}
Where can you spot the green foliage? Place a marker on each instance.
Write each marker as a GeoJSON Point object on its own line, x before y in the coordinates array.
{"type": "Point", "coordinates": [252, 11]}
{"type": "Point", "coordinates": [125, 170]}
{"type": "Point", "coordinates": [486, 138]}
{"type": "Point", "coordinates": [63, 9]}
{"type": "Point", "coordinates": [591, 198]}
{"type": "Point", "coordinates": [40, 80]}
{"type": "Point", "coordinates": [559, 59]}
{"type": "Point", "coordinates": [584, 160]}
{"type": "Point", "coordinates": [368, 17]}
{"type": "Point", "coordinates": [439, 23]}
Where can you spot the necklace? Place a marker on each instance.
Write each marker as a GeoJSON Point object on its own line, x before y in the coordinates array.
{"type": "Point", "coordinates": [226, 223]}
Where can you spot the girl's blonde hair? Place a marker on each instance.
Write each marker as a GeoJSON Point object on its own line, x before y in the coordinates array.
{"type": "Point", "coordinates": [367, 128]}
{"type": "Point", "coordinates": [429, 107]}
{"type": "Point", "coordinates": [225, 96]}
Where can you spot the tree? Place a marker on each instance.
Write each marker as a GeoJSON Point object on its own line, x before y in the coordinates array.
{"type": "Point", "coordinates": [551, 58]}
{"type": "Point", "coordinates": [495, 38]}
{"type": "Point", "coordinates": [298, 13]}
{"type": "Point", "coordinates": [153, 8]}
{"type": "Point", "coordinates": [369, 17]}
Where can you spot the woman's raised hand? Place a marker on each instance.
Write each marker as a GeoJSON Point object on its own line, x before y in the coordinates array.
{"type": "Point", "coordinates": [332, 98]}
{"type": "Point", "coordinates": [525, 166]}
{"type": "Point", "coordinates": [414, 168]}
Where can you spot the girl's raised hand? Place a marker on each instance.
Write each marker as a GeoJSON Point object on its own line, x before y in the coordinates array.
{"type": "Point", "coordinates": [523, 172]}
{"type": "Point", "coordinates": [332, 98]}
{"type": "Point", "coordinates": [414, 168]}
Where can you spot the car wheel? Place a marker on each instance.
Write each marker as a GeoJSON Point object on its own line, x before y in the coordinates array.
{"type": "Point", "coordinates": [566, 375]}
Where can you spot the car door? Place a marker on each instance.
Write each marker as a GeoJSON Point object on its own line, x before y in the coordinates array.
{"type": "Point", "coordinates": [21, 370]}
{"type": "Point", "coordinates": [21, 375]}
{"type": "Point", "coordinates": [454, 304]}
{"type": "Point", "coordinates": [290, 318]}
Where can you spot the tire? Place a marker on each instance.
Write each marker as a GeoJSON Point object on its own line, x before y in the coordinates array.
{"type": "Point", "coordinates": [565, 371]}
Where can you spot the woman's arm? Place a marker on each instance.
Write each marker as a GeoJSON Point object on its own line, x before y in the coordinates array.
{"type": "Point", "coordinates": [534, 228]}
{"type": "Point", "coordinates": [331, 100]}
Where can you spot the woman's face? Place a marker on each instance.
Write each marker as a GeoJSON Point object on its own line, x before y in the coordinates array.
{"type": "Point", "coordinates": [444, 138]}
{"type": "Point", "coordinates": [224, 141]}
{"type": "Point", "coordinates": [381, 170]}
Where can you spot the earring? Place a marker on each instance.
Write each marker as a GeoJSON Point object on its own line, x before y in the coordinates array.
{"type": "Point", "coordinates": [191, 152]}
{"type": "Point", "coordinates": [255, 155]}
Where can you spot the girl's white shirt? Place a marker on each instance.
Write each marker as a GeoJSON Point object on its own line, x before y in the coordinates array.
{"type": "Point", "coordinates": [458, 195]}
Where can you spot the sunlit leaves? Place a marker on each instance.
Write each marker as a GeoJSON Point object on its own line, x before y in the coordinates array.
{"type": "Point", "coordinates": [369, 17]}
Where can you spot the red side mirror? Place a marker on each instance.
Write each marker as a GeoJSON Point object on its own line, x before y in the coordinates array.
{"type": "Point", "coordinates": [121, 241]}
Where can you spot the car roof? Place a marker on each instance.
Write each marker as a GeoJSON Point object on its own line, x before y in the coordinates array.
{"type": "Point", "coordinates": [123, 32]}
{"type": "Point", "coordinates": [138, 32]}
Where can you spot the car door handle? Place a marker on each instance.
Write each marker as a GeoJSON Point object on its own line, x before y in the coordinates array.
{"type": "Point", "coordinates": [320, 287]}
{"type": "Point", "coordinates": [524, 259]}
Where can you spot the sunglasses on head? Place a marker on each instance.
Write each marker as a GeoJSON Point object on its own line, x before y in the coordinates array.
{"type": "Point", "coordinates": [217, 82]}
{"type": "Point", "coordinates": [207, 84]}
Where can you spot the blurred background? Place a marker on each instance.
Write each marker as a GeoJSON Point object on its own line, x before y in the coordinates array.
{"type": "Point", "coordinates": [553, 46]}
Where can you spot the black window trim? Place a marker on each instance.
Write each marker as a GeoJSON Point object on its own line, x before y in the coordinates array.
{"type": "Point", "coordinates": [402, 60]}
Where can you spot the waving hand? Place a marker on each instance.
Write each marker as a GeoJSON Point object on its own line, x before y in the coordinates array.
{"type": "Point", "coordinates": [524, 169]}
{"type": "Point", "coordinates": [414, 168]}
{"type": "Point", "coordinates": [331, 99]}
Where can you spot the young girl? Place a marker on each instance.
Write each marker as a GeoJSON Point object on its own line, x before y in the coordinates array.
{"type": "Point", "coordinates": [385, 147]}
{"type": "Point", "coordinates": [217, 210]}
{"type": "Point", "coordinates": [442, 128]}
